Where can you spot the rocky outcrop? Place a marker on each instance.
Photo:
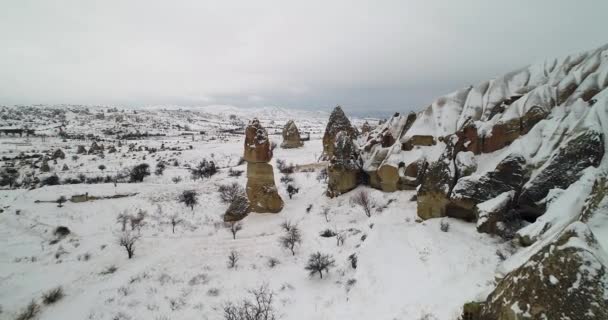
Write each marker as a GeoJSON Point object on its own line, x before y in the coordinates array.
{"type": "Point", "coordinates": [563, 168]}
{"type": "Point", "coordinates": [257, 145]}
{"type": "Point", "coordinates": [434, 193]}
{"type": "Point", "coordinates": [95, 148]}
{"type": "Point", "coordinates": [566, 279]}
{"type": "Point", "coordinates": [337, 122]}
{"type": "Point", "coordinates": [81, 150]}
{"type": "Point", "coordinates": [237, 210]}
{"type": "Point", "coordinates": [366, 128]}
{"type": "Point", "coordinates": [291, 136]}
{"type": "Point", "coordinates": [344, 169]}
{"type": "Point", "coordinates": [261, 190]}
{"type": "Point", "coordinates": [509, 175]}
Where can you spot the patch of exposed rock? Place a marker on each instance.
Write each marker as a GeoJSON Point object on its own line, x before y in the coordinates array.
{"type": "Point", "coordinates": [566, 279]}
{"type": "Point", "coordinates": [291, 136]}
{"type": "Point", "coordinates": [344, 169]}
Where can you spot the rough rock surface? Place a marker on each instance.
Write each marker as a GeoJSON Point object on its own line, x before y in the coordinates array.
{"type": "Point", "coordinates": [508, 176]}
{"type": "Point", "coordinates": [291, 136]}
{"type": "Point", "coordinates": [237, 210]}
{"type": "Point", "coordinates": [337, 122]}
{"type": "Point", "coordinates": [257, 144]}
{"type": "Point", "coordinates": [434, 193]}
{"type": "Point", "coordinates": [566, 279]}
{"type": "Point", "coordinates": [343, 170]}
{"type": "Point", "coordinates": [58, 154]}
{"type": "Point", "coordinates": [562, 169]}
{"type": "Point", "coordinates": [261, 190]}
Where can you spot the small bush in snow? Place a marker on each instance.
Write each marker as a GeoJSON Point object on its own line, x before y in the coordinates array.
{"type": "Point", "coordinates": [309, 208]}
{"type": "Point", "coordinates": [273, 262]}
{"type": "Point", "coordinates": [137, 221]}
{"type": "Point", "coordinates": [235, 173]}
{"type": "Point", "coordinates": [286, 179]}
{"type": "Point", "coordinates": [364, 200]}
{"type": "Point", "coordinates": [52, 296]}
{"type": "Point", "coordinates": [291, 239]}
{"type": "Point", "coordinates": [318, 262]}
{"type": "Point", "coordinates": [327, 233]}
{"type": "Point", "coordinates": [260, 308]}
{"type": "Point", "coordinates": [30, 312]}
{"type": "Point", "coordinates": [160, 168]}
{"type": "Point", "coordinates": [109, 270]}
{"type": "Point", "coordinates": [189, 198]}
{"type": "Point", "coordinates": [353, 260]}
{"type": "Point", "coordinates": [444, 225]}
{"type": "Point", "coordinates": [234, 227]}
{"type": "Point", "coordinates": [322, 176]}
{"type": "Point", "coordinates": [123, 219]}
{"type": "Point", "coordinates": [127, 240]}
{"type": "Point", "coordinates": [213, 292]}
{"type": "Point", "coordinates": [283, 167]}
{"type": "Point", "coordinates": [204, 169]}
{"type": "Point", "coordinates": [340, 237]}
{"type": "Point", "coordinates": [291, 190]}
{"type": "Point", "coordinates": [174, 220]}
{"type": "Point", "coordinates": [176, 179]}
{"type": "Point", "coordinates": [229, 192]}
{"type": "Point", "coordinates": [325, 213]}
{"type": "Point", "coordinates": [139, 172]}
{"type": "Point", "coordinates": [233, 259]}
{"type": "Point", "coordinates": [61, 231]}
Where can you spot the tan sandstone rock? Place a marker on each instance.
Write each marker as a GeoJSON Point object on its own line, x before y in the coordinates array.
{"type": "Point", "coordinates": [291, 136]}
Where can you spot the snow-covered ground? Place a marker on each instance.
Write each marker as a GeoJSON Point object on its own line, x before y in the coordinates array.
{"type": "Point", "coordinates": [406, 269]}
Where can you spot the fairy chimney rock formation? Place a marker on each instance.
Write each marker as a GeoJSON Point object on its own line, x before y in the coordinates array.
{"type": "Point", "coordinates": [337, 122]}
{"type": "Point", "coordinates": [262, 192]}
{"type": "Point", "coordinates": [291, 136]}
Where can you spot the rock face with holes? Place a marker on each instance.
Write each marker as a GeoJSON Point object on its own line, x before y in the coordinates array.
{"type": "Point", "coordinates": [261, 189]}
{"type": "Point", "coordinates": [343, 170]}
{"type": "Point", "coordinates": [291, 136]}
{"type": "Point", "coordinates": [337, 122]}
{"type": "Point", "coordinates": [566, 279]}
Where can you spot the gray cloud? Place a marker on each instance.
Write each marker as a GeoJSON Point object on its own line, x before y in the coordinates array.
{"type": "Point", "coordinates": [367, 55]}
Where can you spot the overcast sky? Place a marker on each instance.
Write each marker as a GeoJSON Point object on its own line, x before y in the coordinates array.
{"type": "Point", "coordinates": [366, 55]}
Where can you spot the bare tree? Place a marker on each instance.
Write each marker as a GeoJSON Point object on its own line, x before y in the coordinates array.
{"type": "Point", "coordinates": [287, 225]}
{"type": "Point", "coordinates": [291, 239]}
{"type": "Point", "coordinates": [123, 218]}
{"type": "Point", "coordinates": [234, 227]}
{"type": "Point", "coordinates": [229, 192]}
{"type": "Point", "coordinates": [175, 220]}
{"type": "Point", "coordinates": [363, 199]}
{"type": "Point", "coordinates": [127, 240]}
{"type": "Point", "coordinates": [340, 237]}
{"type": "Point", "coordinates": [260, 308]}
{"type": "Point", "coordinates": [137, 221]}
{"type": "Point", "coordinates": [233, 258]}
{"type": "Point", "coordinates": [318, 262]}
{"type": "Point", "coordinates": [189, 198]}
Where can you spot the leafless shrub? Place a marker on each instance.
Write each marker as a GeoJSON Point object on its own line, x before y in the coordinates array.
{"type": "Point", "coordinates": [327, 233]}
{"type": "Point", "coordinates": [363, 199]}
{"type": "Point", "coordinates": [259, 308]}
{"type": "Point", "coordinates": [340, 237]}
{"type": "Point", "coordinates": [60, 201]}
{"type": "Point", "coordinates": [287, 225]}
{"type": "Point", "coordinates": [122, 219]}
{"type": "Point", "coordinates": [137, 221]}
{"type": "Point", "coordinates": [109, 270]}
{"type": "Point", "coordinates": [233, 259]}
{"type": "Point", "coordinates": [30, 312]}
{"type": "Point", "coordinates": [52, 295]}
{"type": "Point", "coordinates": [174, 220]}
{"type": "Point", "coordinates": [285, 168]}
{"type": "Point", "coordinates": [229, 192]}
{"type": "Point", "coordinates": [235, 173]}
{"type": "Point", "coordinates": [176, 179]}
{"type": "Point", "coordinates": [273, 262]}
{"type": "Point", "coordinates": [213, 292]}
{"type": "Point", "coordinates": [234, 227]}
{"type": "Point", "coordinates": [127, 240]}
{"type": "Point", "coordinates": [325, 213]}
{"type": "Point", "coordinates": [353, 260]}
{"type": "Point", "coordinates": [286, 179]}
{"type": "Point", "coordinates": [291, 239]}
{"type": "Point", "coordinates": [318, 262]}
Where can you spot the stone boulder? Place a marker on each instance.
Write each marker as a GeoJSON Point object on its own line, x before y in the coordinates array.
{"type": "Point", "coordinates": [237, 210]}
{"type": "Point", "coordinates": [257, 144]}
{"type": "Point", "coordinates": [566, 279]}
{"type": "Point", "coordinates": [344, 168]}
{"type": "Point", "coordinates": [366, 128]}
{"type": "Point", "coordinates": [509, 175]}
{"type": "Point", "coordinates": [337, 122]}
{"type": "Point", "coordinates": [291, 136]}
{"type": "Point", "coordinates": [261, 190]}
{"type": "Point", "coordinates": [418, 140]}
{"type": "Point", "coordinates": [563, 168]}
{"type": "Point", "coordinates": [81, 150]}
